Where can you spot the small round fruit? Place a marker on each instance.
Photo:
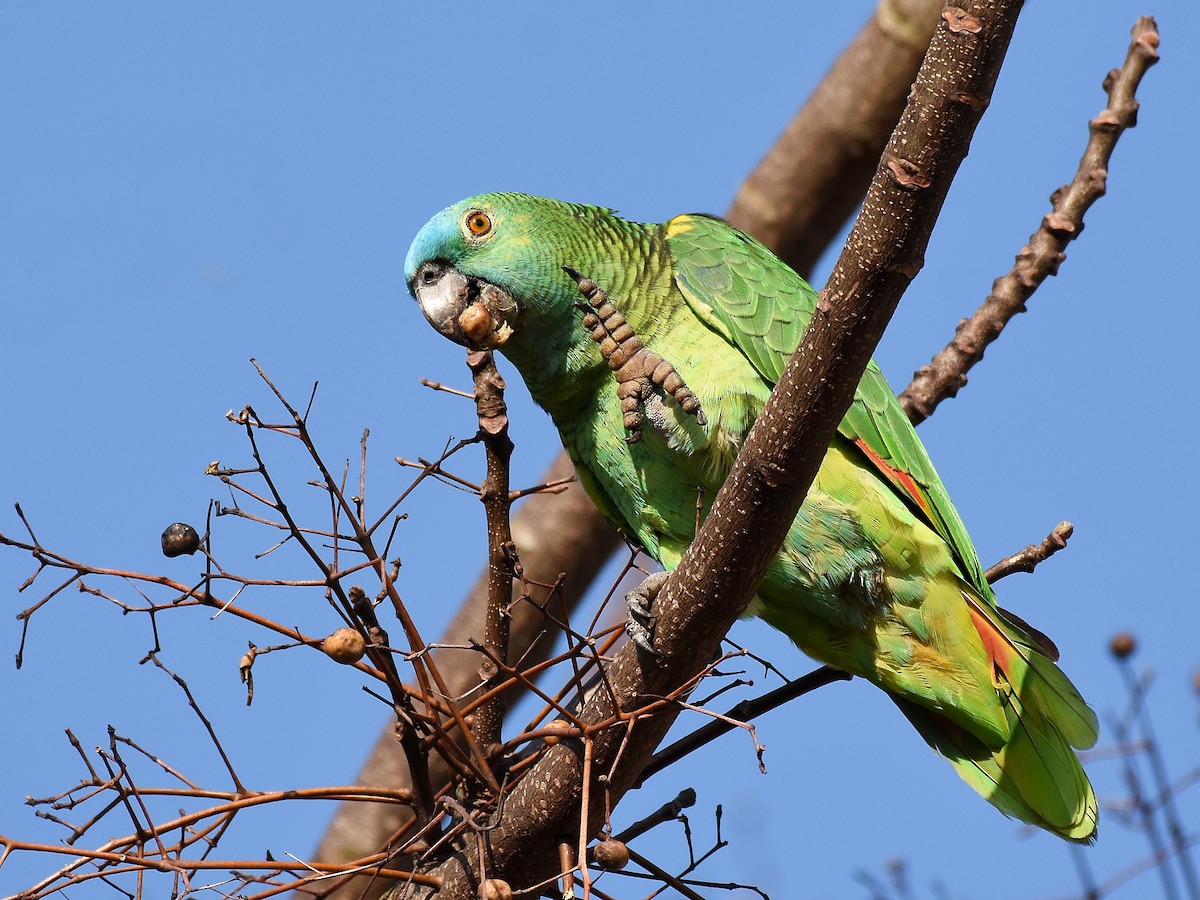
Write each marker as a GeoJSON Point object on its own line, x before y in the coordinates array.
{"type": "Point", "coordinates": [612, 854]}
{"type": "Point", "coordinates": [558, 730]}
{"type": "Point", "coordinates": [345, 646]}
{"type": "Point", "coordinates": [180, 538]}
{"type": "Point", "coordinates": [1122, 645]}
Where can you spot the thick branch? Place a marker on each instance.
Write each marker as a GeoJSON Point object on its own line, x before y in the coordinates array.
{"type": "Point", "coordinates": [1041, 257]}
{"type": "Point", "coordinates": [752, 512]}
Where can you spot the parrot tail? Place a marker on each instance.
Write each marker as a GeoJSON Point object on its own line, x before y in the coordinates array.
{"type": "Point", "coordinates": [1035, 775]}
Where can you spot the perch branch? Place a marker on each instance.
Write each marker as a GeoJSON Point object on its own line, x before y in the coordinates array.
{"type": "Point", "coordinates": [808, 184]}
{"type": "Point", "coordinates": [796, 200]}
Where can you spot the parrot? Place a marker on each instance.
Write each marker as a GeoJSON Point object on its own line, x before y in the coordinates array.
{"type": "Point", "coordinates": [654, 347]}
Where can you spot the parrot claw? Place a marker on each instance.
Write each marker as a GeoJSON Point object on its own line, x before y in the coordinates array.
{"type": "Point", "coordinates": [640, 625]}
{"type": "Point", "coordinates": [640, 372]}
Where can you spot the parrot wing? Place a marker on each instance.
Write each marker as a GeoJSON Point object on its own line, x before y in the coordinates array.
{"type": "Point", "coordinates": [744, 292]}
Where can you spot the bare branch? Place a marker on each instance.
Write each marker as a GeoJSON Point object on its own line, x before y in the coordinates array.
{"type": "Point", "coordinates": [1033, 555]}
{"type": "Point", "coordinates": [742, 712]}
{"type": "Point", "coordinates": [493, 429]}
{"type": "Point", "coordinates": [556, 533]}
{"type": "Point", "coordinates": [1040, 258]}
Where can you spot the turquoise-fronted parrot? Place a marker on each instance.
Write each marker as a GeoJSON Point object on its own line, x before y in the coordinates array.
{"type": "Point", "coordinates": [653, 348]}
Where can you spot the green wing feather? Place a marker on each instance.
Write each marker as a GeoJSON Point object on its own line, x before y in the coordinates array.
{"type": "Point", "coordinates": [740, 289]}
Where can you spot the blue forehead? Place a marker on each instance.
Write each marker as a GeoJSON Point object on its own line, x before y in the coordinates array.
{"type": "Point", "coordinates": [436, 240]}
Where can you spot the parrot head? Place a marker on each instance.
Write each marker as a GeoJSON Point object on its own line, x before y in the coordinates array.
{"type": "Point", "coordinates": [491, 265]}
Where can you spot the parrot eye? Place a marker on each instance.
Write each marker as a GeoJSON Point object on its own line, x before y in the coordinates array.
{"type": "Point", "coordinates": [477, 223]}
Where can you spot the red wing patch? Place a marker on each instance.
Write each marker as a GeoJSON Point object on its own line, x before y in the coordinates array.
{"type": "Point", "coordinates": [998, 647]}
{"type": "Point", "coordinates": [899, 478]}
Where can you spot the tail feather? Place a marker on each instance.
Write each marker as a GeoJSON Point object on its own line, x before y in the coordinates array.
{"type": "Point", "coordinates": [1035, 678]}
{"type": "Point", "coordinates": [1034, 775]}
{"type": "Point", "coordinates": [1054, 692]}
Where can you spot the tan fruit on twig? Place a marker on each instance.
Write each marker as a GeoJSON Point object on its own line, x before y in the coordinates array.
{"type": "Point", "coordinates": [558, 730]}
{"type": "Point", "coordinates": [1122, 645]}
{"type": "Point", "coordinates": [345, 646]}
{"type": "Point", "coordinates": [612, 854]}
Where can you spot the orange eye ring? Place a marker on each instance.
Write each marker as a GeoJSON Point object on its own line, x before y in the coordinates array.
{"type": "Point", "coordinates": [477, 223]}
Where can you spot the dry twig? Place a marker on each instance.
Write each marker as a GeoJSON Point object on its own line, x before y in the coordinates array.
{"type": "Point", "coordinates": [947, 371]}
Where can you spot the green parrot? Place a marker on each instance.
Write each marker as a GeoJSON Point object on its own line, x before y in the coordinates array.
{"type": "Point", "coordinates": [653, 348]}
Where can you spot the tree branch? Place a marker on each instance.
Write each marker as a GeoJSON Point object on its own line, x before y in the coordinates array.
{"type": "Point", "coordinates": [1033, 555]}
{"type": "Point", "coordinates": [1041, 257]}
{"type": "Point", "coordinates": [493, 426]}
{"type": "Point", "coordinates": [555, 533]}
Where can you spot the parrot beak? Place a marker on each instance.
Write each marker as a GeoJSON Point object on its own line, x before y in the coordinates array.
{"type": "Point", "coordinates": [467, 310]}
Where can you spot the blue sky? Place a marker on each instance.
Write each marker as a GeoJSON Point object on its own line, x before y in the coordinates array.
{"type": "Point", "coordinates": [188, 186]}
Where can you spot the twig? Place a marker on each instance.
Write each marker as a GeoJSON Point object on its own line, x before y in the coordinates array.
{"type": "Point", "coordinates": [546, 487]}
{"type": "Point", "coordinates": [668, 812]}
{"type": "Point", "coordinates": [493, 431]}
{"type": "Point", "coordinates": [1141, 803]}
{"type": "Point", "coordinates": [663, 875]}
{"type": "Point", "coordinates": [1165, 799]}
{"type": "Point", "coordinates": [212, 734]}
{"type": "Point", "coordinates": [424, 668]}
{"type": "Point", "coordinates": [742, 712]}
{"type": "Point", "coordinates": [566, 866]}
{"type": "Point", "coordinates": [1033, 555]}
{"type": "Point", "coordinates": [1044, 253]}
{"type": "Point", "coordinates": [438, 386]}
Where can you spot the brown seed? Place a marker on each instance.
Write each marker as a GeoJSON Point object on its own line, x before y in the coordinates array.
{"type": "Point", "coordinates": [612, 854]}
{"type": "Point", "coordinates": [495, 889]}
{"type": "Point", "coordinates": [476, 324]}
{"type": "Point", "coordinates": [558, 729]}
{"type": "Point", "coordinates": [345, 646]}
{"type": "Point", "coordinates": [180, 538]}
{"type": "Point", "coordinates": [1122, 645]}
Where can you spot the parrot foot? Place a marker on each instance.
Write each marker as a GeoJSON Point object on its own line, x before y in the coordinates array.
{"type": "Point", "coordinates": [638, 369]}
{"type": "Point", "coordinates": [640, 625]}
